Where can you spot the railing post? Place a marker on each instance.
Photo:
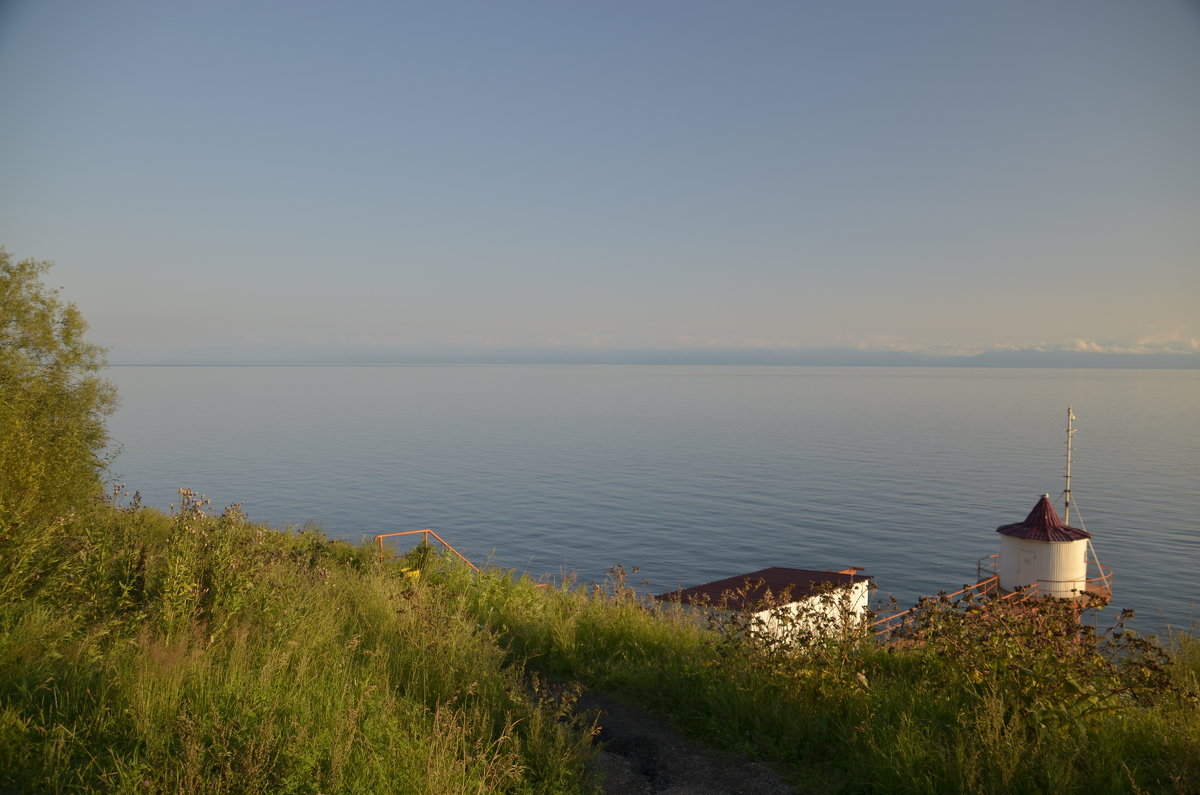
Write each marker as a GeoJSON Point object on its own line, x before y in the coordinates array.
{"type": "Point", "coordinates": [425, 542]}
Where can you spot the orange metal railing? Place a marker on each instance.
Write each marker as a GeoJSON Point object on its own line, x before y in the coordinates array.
{"type": "Point", "coordinates": [1103, 581]}
{"type": "Point", "coordinates": [426, 533]}
{"type": "Point", "coordinates": [1098, 580]}
{"type": "Point", "coordinates": [988, 564]}
{"type": "Point", "coordinates": [888, 624]}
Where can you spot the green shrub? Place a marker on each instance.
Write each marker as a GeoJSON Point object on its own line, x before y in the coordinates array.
{"type": "Point", "coordinates": [52, 402]}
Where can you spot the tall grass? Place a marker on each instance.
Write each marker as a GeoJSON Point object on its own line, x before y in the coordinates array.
{"type": "Point", "coordinates": [978, 698]}
{"type": "Point", "coordinates": [204, 654]}
{"type": "Point", "coordinates": [198, 652]}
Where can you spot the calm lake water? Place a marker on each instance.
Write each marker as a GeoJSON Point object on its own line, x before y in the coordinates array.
{"type": "Point", "coordinates": [691, 473]}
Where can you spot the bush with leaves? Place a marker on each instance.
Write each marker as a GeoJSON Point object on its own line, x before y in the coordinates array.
{"type": "Point", "coordinates": [53, 402]}
{"type": "Point", "coordinates": [1038, 658]}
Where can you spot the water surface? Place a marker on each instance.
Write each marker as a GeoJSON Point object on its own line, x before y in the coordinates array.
{"type": "Point", "coordinates": [691, 473]}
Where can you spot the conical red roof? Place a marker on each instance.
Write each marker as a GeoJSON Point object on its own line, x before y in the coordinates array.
{"type": "Point", "coordinates": [1043, 524]}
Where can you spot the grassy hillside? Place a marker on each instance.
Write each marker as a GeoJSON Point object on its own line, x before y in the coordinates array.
{"type": "Point", "coordinates": [201, 653]}
{"type": "Point", "coordinates": [140, 652]}
{"type": "Point", "coordinates": [978, 698]}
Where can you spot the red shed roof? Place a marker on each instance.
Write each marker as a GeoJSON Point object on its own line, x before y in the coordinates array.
{"type": "Point", "coordinates": [1043, 524]}
{"type": "Point", "coordinates": [757, 584]}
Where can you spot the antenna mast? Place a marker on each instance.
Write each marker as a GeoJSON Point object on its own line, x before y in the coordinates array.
{"type": "Point", "coordinates": [1067, 491]}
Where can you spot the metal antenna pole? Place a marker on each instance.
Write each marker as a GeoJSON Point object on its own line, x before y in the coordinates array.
{"type": "Point", "coordinates": [1067, 491]}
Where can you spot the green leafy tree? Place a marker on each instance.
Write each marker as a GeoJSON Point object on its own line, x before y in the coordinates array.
{"type": "Point", "coordinates": [53, 402]}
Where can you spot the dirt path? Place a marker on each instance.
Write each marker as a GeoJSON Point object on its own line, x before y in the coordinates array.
{"type": "Point", "coordinates": [643, 754]}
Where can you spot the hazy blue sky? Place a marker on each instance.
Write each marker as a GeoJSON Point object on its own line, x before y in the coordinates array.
{"type": "Point", "coordinates": [913, 175]}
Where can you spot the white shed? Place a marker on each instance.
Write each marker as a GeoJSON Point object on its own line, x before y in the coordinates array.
{"type": "Point", "coordinates": [1043, 551]}
{"type": "Point", "coordinates": [784, 603]}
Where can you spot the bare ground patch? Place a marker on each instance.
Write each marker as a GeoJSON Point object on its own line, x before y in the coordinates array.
{"type": "Point", "coordinates": [644, 754]}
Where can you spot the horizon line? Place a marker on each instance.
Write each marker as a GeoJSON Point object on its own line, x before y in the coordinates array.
{"type": "Point", "coordinates": [1025, 358]}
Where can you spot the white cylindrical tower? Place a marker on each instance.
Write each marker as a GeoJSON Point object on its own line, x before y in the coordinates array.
{"type": "Point", "coordinates": [1043, 551]}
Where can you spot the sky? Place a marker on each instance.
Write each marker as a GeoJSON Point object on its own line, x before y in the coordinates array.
{"type": "Point", "coordinates": [256, 179]}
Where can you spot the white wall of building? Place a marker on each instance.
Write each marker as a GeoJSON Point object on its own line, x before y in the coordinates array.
{"type": "Point", "coordinates": [821, 615]}
{"type": "Point", "coordinates": [1058, 568]}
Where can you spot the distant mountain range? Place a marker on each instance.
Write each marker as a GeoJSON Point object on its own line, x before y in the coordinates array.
{"type": "Point", "coordinates": [287, 355]}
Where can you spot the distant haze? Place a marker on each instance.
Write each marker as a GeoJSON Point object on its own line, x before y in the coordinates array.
{"type": "Point", "coordinates": [852, 182]}
{"type": "Point", "coordinates": [383, 355]}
